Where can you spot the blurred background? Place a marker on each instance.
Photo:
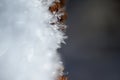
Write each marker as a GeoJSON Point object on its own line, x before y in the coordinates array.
{"type": "Point", "coordinates": [92, 50]}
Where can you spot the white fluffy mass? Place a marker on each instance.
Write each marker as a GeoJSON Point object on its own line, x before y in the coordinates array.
{"type": "Point", "coordinates": [28, 43]}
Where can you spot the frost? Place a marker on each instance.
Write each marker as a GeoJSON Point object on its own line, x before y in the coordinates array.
{"type": "Point", "coordinates": [28, 43]}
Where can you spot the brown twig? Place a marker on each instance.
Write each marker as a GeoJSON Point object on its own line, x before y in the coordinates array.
{"type": "Point", "coordinates": [57, 8]}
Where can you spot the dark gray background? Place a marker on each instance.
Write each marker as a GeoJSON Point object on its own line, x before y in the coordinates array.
{"type": "Point", "coordinates": [92, 50]}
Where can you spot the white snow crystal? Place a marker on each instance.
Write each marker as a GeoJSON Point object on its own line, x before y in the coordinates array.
{"type": "Point", "coordinates": [28, 43]}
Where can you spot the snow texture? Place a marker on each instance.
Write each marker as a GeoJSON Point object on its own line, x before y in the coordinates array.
{"type": "Point", "coordinates": [28, 43]}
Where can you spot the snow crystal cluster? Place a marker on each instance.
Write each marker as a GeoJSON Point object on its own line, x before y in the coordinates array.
{"type": "Point", "coordinates": [28, 43]}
